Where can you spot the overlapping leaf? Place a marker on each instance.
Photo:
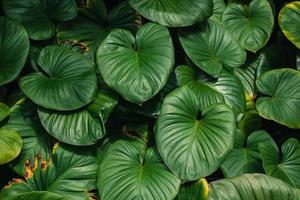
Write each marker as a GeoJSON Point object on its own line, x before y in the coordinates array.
{"type": "Point", "coordinates": [174, 13]}
{"type": "Point", "coordinates": [14, 48]}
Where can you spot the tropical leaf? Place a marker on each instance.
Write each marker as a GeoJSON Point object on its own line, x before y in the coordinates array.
{"type": "Point", "coordinates": [89, 33]}
{"type": "Point", "coordinates": [251, 25]}
{"type": "Point", "coordinates": [10, 145]}
{"type": "Point", "coordinates": [95, 10]}
{"type": "Point", "coordinates": [289, 22]}
{"type": "Point", "coordinates": [4, 111]}
{"type": "Point", "coordinates": [131, 170]}
{"type": "Point", "coordinates": [194, 190]}
{"type": "Point", "coordinates": [251, 121]}
{"type": "Point", "coordinates": [137, 67]}
{"type": "Point", "coordinates": [67, 81]}
{"type": "Point", "coordinates": [227, 84]}
{"type": "Point", "coordinates": [81, 127]}
{"type": "Point", "coordinates": [282, 100]}
{"type": "Point", "coordinates": [14, 48]}
{"type": "Point", "coordinates": [211, 47]}
{"type": "Point", "coordinates": [38, 16]}
{"type": "Point", "coordinates": [193, 133]}
{"type": "Point", "coordinates": [246, 158]}
{"type": "Point", "coordinates": [69, 172]}
{"type": "Point", "coordinates": [252, 186]}
{"type": "Point", "coordinates": [282, 164]}
{"type": "Point", "coordinates": [174, 13]}
{"type": "Point", "coordinates": [219, 7]}
{"type": "Point", "coordinates": [37, 196]}
{"type": "Point", "coordinates": [24, 120]}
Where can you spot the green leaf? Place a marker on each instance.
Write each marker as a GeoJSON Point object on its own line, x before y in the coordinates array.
{"type": "Point", "coordinates": [38, 16]}
{"type": "Point", "coordinates": [80, 127]}
{"type": "Point", "coordinates": [69, 172]}
{"type": "Point", "coordinates": [251, 121]}
{"type": "Point", "coordinates": [289, 22]}
{"type": "Point", "coordinates": [14, 48]}
{"type": "Point", "coordinates": [194, 132]}
{"type": "Point", "coordinates": [137, 67]}
{"type": "Point", "coordinates": [246, 159]}
{"type": "Point", "coordinates": [212, 48]}
{"type": "Point", "coordinates": [4, 111]}
{"type": "Point", "coordinates": [252, 186]}
{"type": "Point", "coordinates": [282, 100]}
{"type": "Point", "coordinates": [88, 34]}
{"type": "Point", "coordinates": [24, 119]}
{"type": "Point", "coordinates": [197, 190]}
{"type": "Point", "coordinates": [227, 85]}
{"type": "Point", "coordinates": [174, 13]}
{"type": "Point", "coordinates": [95, 10]}
{"type": "Point", "coordinates": [10, 145]}
{"type": "Point", "coordinates": [131, 170]}
{"type": "Point", "coordinates": [68, 80]}
{"type": "Point", "coordinates": [219, 7]}
{"type": "Point", "coordinates": [284, 164]}
{"type": "Point", "coordinates": [37, 196]}
{"type": "Point", "coordinates": [251, 25]}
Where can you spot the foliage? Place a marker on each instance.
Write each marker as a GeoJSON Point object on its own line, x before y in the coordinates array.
{"type": "Point", "coordinates": [149, 99]}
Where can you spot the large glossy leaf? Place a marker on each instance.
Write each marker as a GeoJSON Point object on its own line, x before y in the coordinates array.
{"type": "Point", "coordinates": [211, 47]}
{"type": "Point", "coordinates": [10, 145]}
{"type": "Point", "coordinates": [251, 24]}
{"type": "Point", "coordinates": [174, 13]}
{"type": "Point", "coordinates": [246, 158]}
{"type": "Point", "coordinates": [252, 187]}
{"type": "Point", "coordinates": [38, 16]}
{"type": "Point", "coordinates": [14, 48]}
{"type": "Point", "coordinates": [219, 7]}
{"type": "Point", "coordinates": [227, 84]}
{"type": "Point", "coordinates": [24, 119]}
{"type": "Point", "coordinates": [131, 170]}
{"type": "Point", "coordinates": [4, 111]}
{"type": "Point", "coordinates": [282, 103]}
{"type": "Point", "coordinates": [37, 196]}
{"type": "Point", "coordinates": [81, 127]}
{"type": "Point", "coordinates": [193, 133]}
{"type": "Point", "coordinates": [197, 190]}
{"type": "Point", "coordinates": [137, 67]}
{"type": "Point", "coordinates": [67, 81]}
{"type": "Point", "coordinates": [89, 34]}
{"type": "Point", "coordinates": [70, 173]}
{"type": "Point", "coordinates": [284, 164]}
{"type": "Point", "coordinates": [289, 22]}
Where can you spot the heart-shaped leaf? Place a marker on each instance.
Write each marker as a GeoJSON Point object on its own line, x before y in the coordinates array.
{"type": "Point", "coordinates": [252, 186]}
{"type": "Point", "coordinates": [88, 34]}
{"type": "Point", "coordinates": [14, 48]}
{"type": "Point", "coordinates": [227, 84]}
{"type": "Point", "coordinates": [251, 25]}
{"type": "Point", "coordinates": [193, 133]}
{"type": "Point", "coordinates": [4, 111]}
{"type": "Point", "coordinates": [219, 7]}
{"type": "Point", "coordinates": [81, 127]}
{"type": "Point", "coordinates": [211, 47]}
{"type": "Point", "coordinates": [10, 145]}
{"type": "Point", "coordinates": [37, 196]}
{"type": "Point", "coordinates": [197, 190]}
{"type": "Point", "coordinates": [282, 103]}
{"type": "Point", "coordinates": [247, 158]}
{"type": "Point", "coordinates": [289, 22]}
{"type": "Point", "coordinates": [68, 80]}
{"type": "Point", "coordinates": [131, 170]}
{"type": "Point", "coordinates": [284, 164]}
{"type": "Point", "coordinates": [23, 118]}
{"type": "Point", "coordinates": [174, 13]}
{"type": "Point", "coordinates": [137, 67]}
{"type": "Point", "coordinates": [38, 16]}
{"type": "Point", "coordinates": [69, 172]}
